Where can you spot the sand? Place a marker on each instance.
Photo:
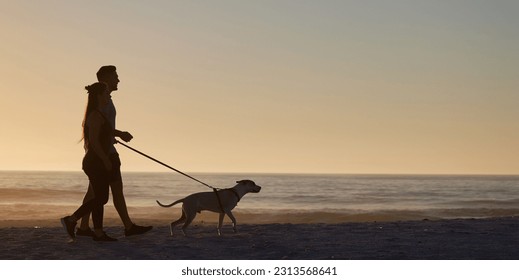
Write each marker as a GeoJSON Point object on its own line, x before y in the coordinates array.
{"type": "Point", "coordinates": [458, 239]}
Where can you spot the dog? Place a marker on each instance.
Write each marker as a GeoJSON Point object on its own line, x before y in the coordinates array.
{"type": "Point", "coordinates": [221, 201]}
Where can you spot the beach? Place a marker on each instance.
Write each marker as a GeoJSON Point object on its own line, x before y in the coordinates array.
{"type": "Point", "coordinates": [294, 217]}
{"type": "Point", "coordinates": [448, 239]}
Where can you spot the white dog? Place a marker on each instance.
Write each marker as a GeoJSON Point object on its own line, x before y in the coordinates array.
{"type": "Point", "coordinates": [228, 199]}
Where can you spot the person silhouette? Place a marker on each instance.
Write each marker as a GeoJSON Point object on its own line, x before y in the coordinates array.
{"type": "Point", "coordinates": [97, 139]}
{"type": "Point", "coordinates": [108, 74]}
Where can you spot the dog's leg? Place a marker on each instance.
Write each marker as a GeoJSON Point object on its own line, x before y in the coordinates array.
{"type": "Point", "coordinates": [189, 218]}
{"type": "Point", "coordinates": [220, 222]}
{"type": "Point", "coordinates": [229, 213]}
{"type": "Point", "coordinates": [179, 221]}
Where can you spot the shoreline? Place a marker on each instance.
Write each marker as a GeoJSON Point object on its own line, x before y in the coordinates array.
{"type": "Point", "coordinates": [461, 239]}
{"type": "Point", "coordinates": [24, 215]}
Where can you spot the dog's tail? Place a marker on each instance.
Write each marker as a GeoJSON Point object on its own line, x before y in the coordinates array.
{"type": "Point", "coordinates": [169, 205]}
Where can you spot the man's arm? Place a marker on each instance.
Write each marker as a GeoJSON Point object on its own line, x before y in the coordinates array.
{"type": "Point", "coordinates": [124, 135]}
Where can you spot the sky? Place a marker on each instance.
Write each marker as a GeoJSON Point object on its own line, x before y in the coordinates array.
{"type": "Point", "coordinates": [354, 87]}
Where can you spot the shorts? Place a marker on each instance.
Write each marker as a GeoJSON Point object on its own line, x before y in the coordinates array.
{"type": "Point", "coordinates": [93, 166]}
{"type": "Point", "coordinates": [115, 173]}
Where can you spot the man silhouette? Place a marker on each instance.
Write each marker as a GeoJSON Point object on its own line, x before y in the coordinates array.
{"type": "Point", "coordinates": [108, 74]}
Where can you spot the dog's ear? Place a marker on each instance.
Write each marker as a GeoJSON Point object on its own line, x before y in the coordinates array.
{"type": "Point", "coordinates": [239, 182]}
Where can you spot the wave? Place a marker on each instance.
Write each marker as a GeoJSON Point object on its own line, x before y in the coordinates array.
{"type": "Point", "coordinates": [284, 198]}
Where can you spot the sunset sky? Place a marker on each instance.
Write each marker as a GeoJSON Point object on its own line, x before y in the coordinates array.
{"type": "Point", "coordinates": [267, 86]}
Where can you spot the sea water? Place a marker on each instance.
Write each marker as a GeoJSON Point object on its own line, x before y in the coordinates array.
{"type": "Point", "coordinates": [295, 197]}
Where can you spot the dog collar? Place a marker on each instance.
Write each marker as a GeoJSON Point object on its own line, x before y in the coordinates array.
{"type": "Point", "coordinates": [236, 194]}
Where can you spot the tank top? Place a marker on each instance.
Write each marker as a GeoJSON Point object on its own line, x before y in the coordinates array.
{"type": "Point", "coordinates": [110, 113]}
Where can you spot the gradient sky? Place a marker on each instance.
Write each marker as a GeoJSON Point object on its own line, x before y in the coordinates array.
{"type": "Point", "coordinates": [268, 86]}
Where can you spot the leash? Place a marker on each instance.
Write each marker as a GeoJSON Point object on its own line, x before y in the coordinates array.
{"type": "Point", "coordinates": [174, 169]}
{"type": "Point", "coordinates": [180, 172]}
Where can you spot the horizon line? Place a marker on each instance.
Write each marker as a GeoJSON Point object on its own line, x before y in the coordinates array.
{"type": "Point", "coordinates": [282, 173]}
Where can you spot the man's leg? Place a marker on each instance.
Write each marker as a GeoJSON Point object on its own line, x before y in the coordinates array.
{"type": "Point", "coordinates": [116, 185]}
{"type": "Point", "coordinates": [120, 203]}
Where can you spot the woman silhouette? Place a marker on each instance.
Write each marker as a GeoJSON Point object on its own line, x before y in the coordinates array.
{"type": "Point", "coordinates": [98, 135]}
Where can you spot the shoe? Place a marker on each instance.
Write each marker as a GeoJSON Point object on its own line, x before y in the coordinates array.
{"type": "Point", "coordinates": [103, 237]}
{"type": "Point", "coordinates": [84, 232]}
{"type": "Point", "coordinates": [69, 226]}
{"type": "Point", "coordinates": [135, 229]}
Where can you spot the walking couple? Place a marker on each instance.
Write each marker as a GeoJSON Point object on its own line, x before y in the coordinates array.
{"type": "Point", "coordinates": [101, 162]}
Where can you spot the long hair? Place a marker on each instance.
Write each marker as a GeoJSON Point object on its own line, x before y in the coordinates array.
{"type": "Point", "coordinates": [94, 91]}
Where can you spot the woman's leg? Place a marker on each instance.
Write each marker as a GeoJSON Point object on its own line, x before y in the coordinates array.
{"type": "Point", "coordinates": [100, 185]}
{"type": "Point", "coordinates": [84, 209]}
{"type": "Point", "coordinates": [85, 219]}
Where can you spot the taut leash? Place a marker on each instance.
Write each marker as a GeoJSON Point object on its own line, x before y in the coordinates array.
{"type": "Point", "coordinates": [174, 169]}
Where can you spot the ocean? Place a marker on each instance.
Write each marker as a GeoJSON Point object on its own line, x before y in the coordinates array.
{"type": "Point", "coordinates": [286, 198]}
